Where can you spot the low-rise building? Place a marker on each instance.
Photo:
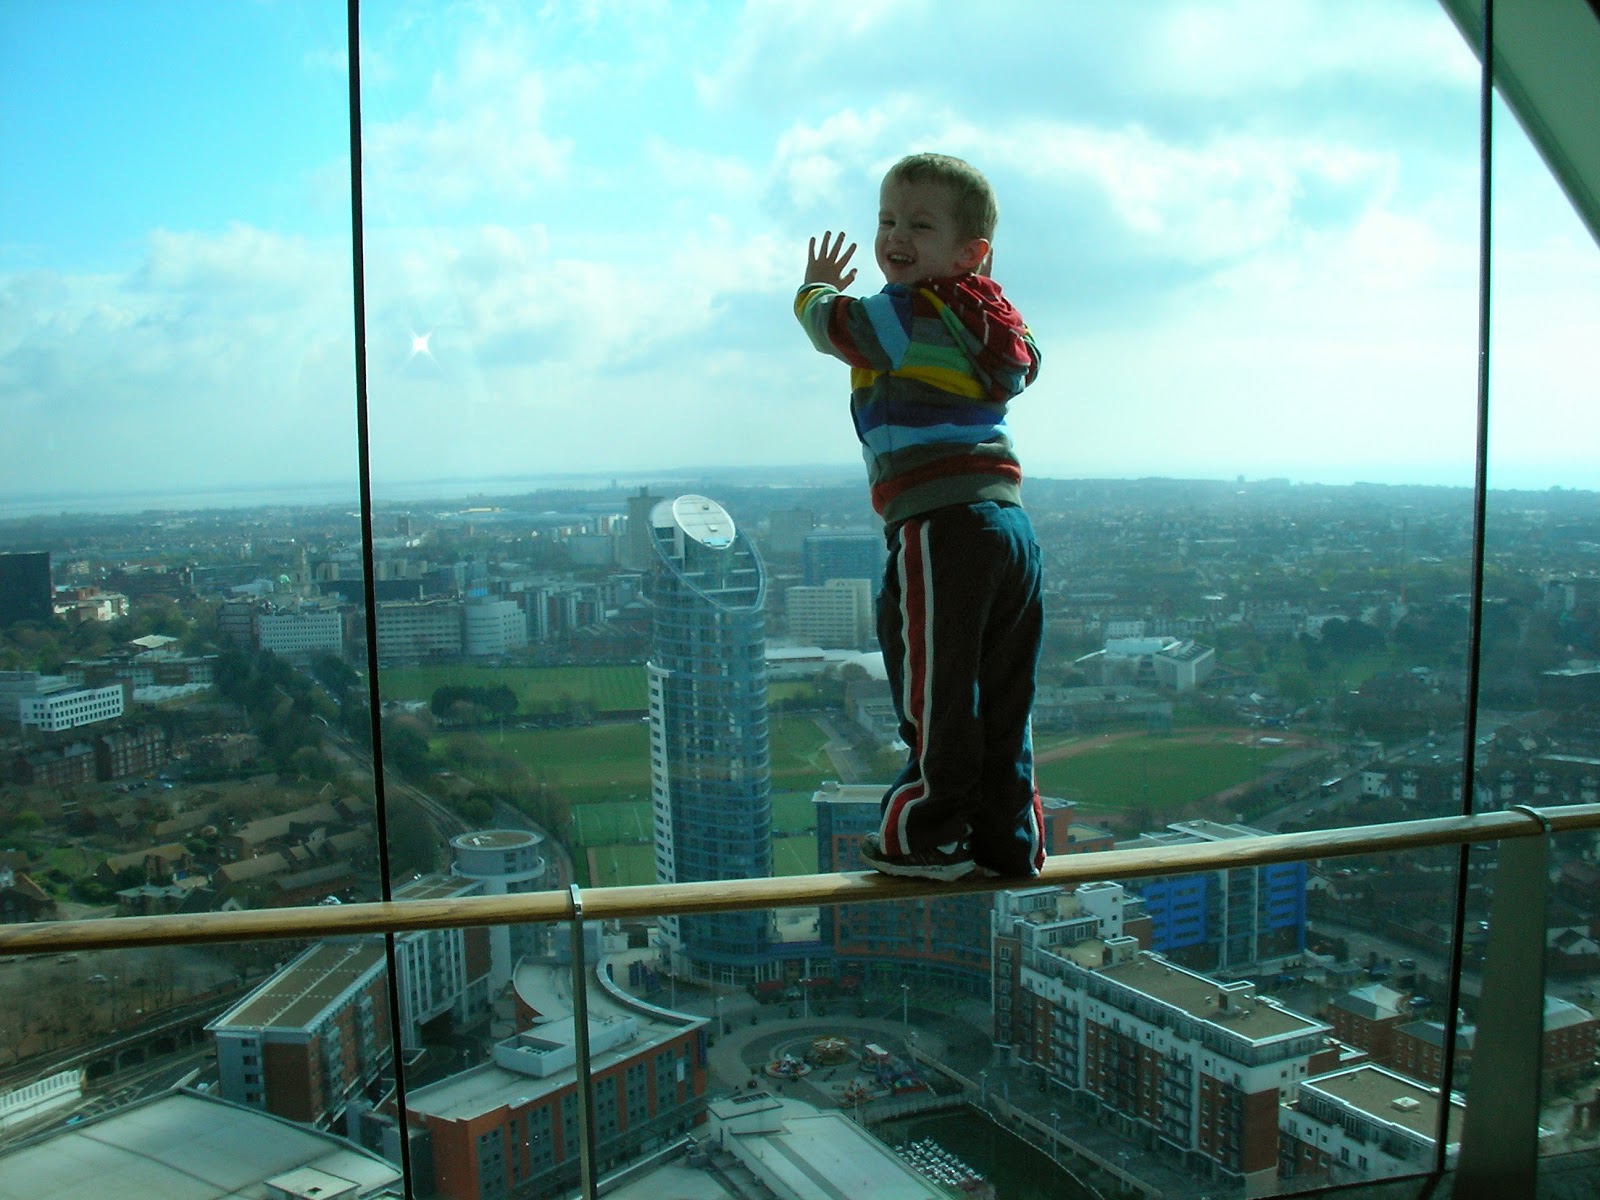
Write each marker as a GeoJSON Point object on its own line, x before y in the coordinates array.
{"type": "Point", "coordinates": [312, 1038]}
{"type": "Point", "coordinates": [798, 1152]}
{"type": "Point", "coordinates": [190, 1145]}
{"type": "Point", "coordinates": [1420, 1051]}
{"type": "Point", "coordinates": [510, 1125]}
{"type": "Point", "coordinates": [1363, 1123]}
{"type": "Point", "coordinates": [56, 712]}
{"type": "Point", "coordinates": [1369, 1017]}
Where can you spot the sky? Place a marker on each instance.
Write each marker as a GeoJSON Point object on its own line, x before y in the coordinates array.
{"type": "Point", "coordinates": [1244, 233]}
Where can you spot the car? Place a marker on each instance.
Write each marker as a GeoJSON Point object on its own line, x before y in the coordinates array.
{"type": "Point", "coordinates": [98, 978]}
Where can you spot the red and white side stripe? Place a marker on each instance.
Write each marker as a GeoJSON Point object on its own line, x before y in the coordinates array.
{"type": "Point", "coordinates": [916, 633]}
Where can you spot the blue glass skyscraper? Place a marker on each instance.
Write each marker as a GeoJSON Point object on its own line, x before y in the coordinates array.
{"type": "Point", "coordinates": [842, 554]}
{"type": "Point", "coordinates": [710, 765]}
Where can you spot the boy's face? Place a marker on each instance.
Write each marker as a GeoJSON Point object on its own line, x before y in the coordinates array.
{"type": "Point", "coordinates": [917, 234]}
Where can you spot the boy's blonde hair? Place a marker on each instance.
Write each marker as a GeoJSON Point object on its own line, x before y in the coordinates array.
{"type": "Point", "coordinates": [976, 211]}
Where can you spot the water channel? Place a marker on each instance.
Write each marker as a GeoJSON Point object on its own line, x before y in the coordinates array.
{"type": "Point", "coordinates": [1018, 1170]}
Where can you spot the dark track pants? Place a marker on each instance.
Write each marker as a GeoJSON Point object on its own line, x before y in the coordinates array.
{"type": "Point", "coordinates": [960, 621]}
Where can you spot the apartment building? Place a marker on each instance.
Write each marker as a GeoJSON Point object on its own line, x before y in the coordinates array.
{"type": "Point", "coordinates": [1192, 1068]}
{"type": "Point", "coordinates": [312, 1038]}
{"type": "Point", "coordinates": [301, 634]}
{"type": "Point", "coordinates": [1361, 1123]}
{"type": "Point", "coordinates": [509, 1127]}
{"type": "Point", "coordinates": [944, 941]}
{"type": "Point", "coordinates": [837, 615]}
{"type": "Point", "coordinates": [58, 711]}
{"type": "Point", "coordinates": [441, 970]}
{"type": "Point", "coordinates": [1224, 920]}
{"type": "Point", "coordinates": [503, 862]}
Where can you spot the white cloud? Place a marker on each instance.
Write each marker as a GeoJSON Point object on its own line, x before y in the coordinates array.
{"type": "Point", "coordinates": [1233, 265]}
{"type": "Point", "coordinates": [1206, 49]}
{"type": "Point", "coordinates": [215, 359]}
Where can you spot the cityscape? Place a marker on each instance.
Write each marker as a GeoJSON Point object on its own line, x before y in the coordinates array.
{"type": "Point", "coordinates": [677, 681]}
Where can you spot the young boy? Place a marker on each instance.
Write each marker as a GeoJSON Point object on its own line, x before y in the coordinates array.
{"type": "Point", "coordinates": [935, 357]}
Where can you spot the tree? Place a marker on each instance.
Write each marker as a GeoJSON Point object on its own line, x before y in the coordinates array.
{"type": "Point", "coordinates": [405, 749]}
{"type": "Point", "coordinates": [413, 846]}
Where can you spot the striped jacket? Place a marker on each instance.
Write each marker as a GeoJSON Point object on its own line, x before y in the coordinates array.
{"type": "Point", "coordinates": [932, 367]}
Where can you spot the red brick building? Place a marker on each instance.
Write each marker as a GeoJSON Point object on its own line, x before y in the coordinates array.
{"type": "Point", "coordinates": [510, 1126]}
{"type": "Point", "coordinates": [1368, 1017]}
{"type": "Point", "coordinates": [1193, 1068]}
{"type": "Point", "coordinates": [126, 752]}
{"type": "Point", "coordinates": [311, 1038]}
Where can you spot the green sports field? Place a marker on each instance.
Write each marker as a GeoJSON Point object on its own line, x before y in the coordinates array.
{"type": "Point", "coordinates": [1111, 775]}
{"type": "Point", "coordinates": [538, 689]}
{"type": "Point", "coordinates": [629, 864]}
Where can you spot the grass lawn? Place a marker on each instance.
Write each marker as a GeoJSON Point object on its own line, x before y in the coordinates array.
{"type": "Point", "coordinates": [795, 855]}
{"type": "Point", "coordinates": [604, 772]}
{"type": "Point", "coordinates": [1162, 772]}
{"type": "Point", "coordinates": [625, 865]}
{"type": "Point", "coordinates": [791, 689]}
{"type": "Point", "coordinates": [621, 865]}
{"type": "Point", "coordinates": [611, 821]}
{"type": "Point", "coordinates": [538, 689]}
{"type": "Point", "coordinates": [798, 761]}
{"type": "Point", "coordinates": [793, 812]}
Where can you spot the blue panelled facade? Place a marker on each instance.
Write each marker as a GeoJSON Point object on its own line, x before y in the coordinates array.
{"type": "Point", "coordinates": [1228, 920]}
{"type": "Point", "coordinates": [710, 762]}
{"type": "Point", "coordinates": [842, 554]}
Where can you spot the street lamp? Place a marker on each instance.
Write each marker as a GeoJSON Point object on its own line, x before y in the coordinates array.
{"type": "Point", "coordinates": [983, 1088]}
{"type": "Point", "coordinates": [1055, 1140]}
{"type": "Point", "coordinates": [905, 1006]}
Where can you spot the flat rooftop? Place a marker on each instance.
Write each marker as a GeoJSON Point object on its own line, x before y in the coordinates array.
{"type": "Point", "coordinates": [808, 1154]}
{"type": "Point", "coordinates": [186, 1146]}
{"type": "Point", "coordinates": [497, 839]}
{"type": "Point", "coordinates": [544, 988]}
{"type": "Point", "coordinates": [1373, 1091]}
{"type": "Point", "coordinates": [437, 887]}
{"type": "Point", "coordinates": [300, 993]}
{"type": "Point", "coordinates": [1249, 1017]}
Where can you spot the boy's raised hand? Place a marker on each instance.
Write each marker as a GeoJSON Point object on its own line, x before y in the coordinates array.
{"type": "Point", "coordinates": [828, 265]}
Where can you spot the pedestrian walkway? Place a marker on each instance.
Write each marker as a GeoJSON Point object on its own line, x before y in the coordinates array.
{"type": "Point", "coordinates": [739, 1055]}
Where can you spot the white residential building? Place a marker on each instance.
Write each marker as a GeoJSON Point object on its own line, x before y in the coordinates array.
{"type": "Point", "coordinates": [1363, 1123]}
{"type": "Point", "coordinates": [495, 626]}
{"type": "Point", "coordinates": [301, 633]}
{"type": "Point", "coordinates": [837, 615]}
{"type": "Point", "coordinates": [1185, 665]}
{"type": "Point", "coordinates": [1197, 1067]}
{"type": "Point", "coordinates": [57, 711]}
{"type": "Point", "coordinates": [410, 630]}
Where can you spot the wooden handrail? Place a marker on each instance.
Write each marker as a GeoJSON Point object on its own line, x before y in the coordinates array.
{"type": "Point", "coordinates": [404, 916]}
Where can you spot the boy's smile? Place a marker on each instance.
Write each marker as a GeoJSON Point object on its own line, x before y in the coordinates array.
{"type": "Point", "coordinates": [917, 235]}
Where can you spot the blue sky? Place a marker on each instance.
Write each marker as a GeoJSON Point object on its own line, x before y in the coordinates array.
{"type": "Point", "coordinates": [1244, 233]}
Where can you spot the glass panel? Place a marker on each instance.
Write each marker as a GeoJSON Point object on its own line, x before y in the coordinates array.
{"type": "Point", "coordinates": [181, 725]}
{"type": "Point", "coordinates": [1541, 657]}
{"type": "Point", "coordinates": [602, 675]}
